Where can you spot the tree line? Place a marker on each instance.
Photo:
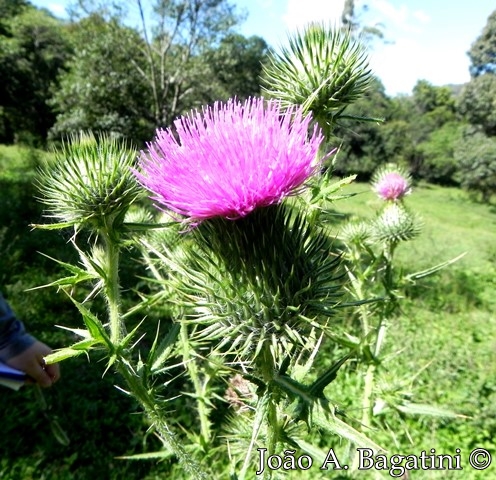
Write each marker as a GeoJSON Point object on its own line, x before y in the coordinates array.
{"type": "Point", "coordinates": [130, 67]}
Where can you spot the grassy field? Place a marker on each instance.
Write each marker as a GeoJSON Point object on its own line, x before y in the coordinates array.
{"type": "Point", "coordinates": [442, 350]}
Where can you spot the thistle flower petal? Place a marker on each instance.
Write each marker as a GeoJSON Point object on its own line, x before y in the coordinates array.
{"type": "Point", "coordinates": [230, 159]}
{"type": "Point", "coordinates": [391, 183]}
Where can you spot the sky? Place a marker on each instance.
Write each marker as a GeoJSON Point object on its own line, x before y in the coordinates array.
{"type": "Point", "coordinates": [423, 39]}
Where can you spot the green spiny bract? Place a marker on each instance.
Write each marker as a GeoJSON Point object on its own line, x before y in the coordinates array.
{"type": "Point", "coordinates": [259, 283]}
{"type": "Point", "coordinates": [395, 223]}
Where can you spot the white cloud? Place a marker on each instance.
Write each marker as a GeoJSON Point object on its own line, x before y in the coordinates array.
{"type": "Point", "coordinates": [397, 15]}
{"type": "Point", "coordinates": [57, 8]}
{"type": "Point", "coordinates": [399, 18]}
{"type": "Point", "coordinates": [422, 17]}
{"type": "Point", "coordinates": [402, 64]}
{"type": "Point", "coordinates": [300, 12]}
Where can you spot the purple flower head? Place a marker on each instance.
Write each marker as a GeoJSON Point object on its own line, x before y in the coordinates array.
{"type": "Point", "coordinates": [392, 186]}
{"type": "Point", "coordinates": [230, 159]}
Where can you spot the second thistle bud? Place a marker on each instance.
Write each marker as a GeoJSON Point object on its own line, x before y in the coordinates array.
{"type": "Point", "coordinates": [90, 183]}
{"type": "Point", "coordinates": [396, 223]}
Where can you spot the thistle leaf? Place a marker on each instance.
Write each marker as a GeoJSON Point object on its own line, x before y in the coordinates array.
{"type": "Point", "coordinates": [324, 418]}
{"type": "Point", "coordinates": [424, 409]}
{"type": "Point", "coordinates": [434, 269]}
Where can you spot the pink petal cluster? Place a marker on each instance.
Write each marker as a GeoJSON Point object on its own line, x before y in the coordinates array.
{"type": "Point", "coordinates": [230, 159]}
{"type": "Point", "coordinates": [392, 186]}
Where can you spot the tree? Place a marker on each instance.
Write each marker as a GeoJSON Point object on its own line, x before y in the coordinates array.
{"type": "Point", "coordinates": [428, 98]}
{"type": "Point", "coordinates": [477, 102]}
{"type": "Point", "coordinates": [482, 53]}
{"type": "Point", "coordinates": [144, 76]}
{"type": "Point", "coordinates": [438, 163]}
{"type": "Point", "coordinates": [354, 22]}
{"type": "Point", "coordinates": [33, 51]}
{"type": "Point", "coordinates": [363, 146]}
{"type": "Point", "coordinates": [101, 90]}
{"type": "Point", "coordinates": [182, 32]}
{"type": "Point", "coordinates": [237, 65]}
{"type": "Point", "coordinates": [476, 157]}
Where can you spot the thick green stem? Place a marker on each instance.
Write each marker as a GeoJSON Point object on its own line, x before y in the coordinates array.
{"type": "Point", "coordinates": [112, 290]}
{"type": "Point", "coordinates": [124, 364]}
{"type": "Point", "coordinates": [369, 381]}
{"type": "Point", "coordinates": [266, 366]}
{"type": "Point", "coordinates": [272, 433]}
{"type": "Point", "coordinates": [156, 416]}
{"type": "Point", "coordinates": [199, 386]}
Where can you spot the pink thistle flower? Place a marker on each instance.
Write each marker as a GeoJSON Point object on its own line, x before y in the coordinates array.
{"type": "Point", "coordinates": [230, 159]}
{"type": "Point", "coordinates": [392, 186]}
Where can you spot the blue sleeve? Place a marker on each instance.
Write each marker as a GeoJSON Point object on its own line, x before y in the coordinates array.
{"type": "Point", "coordinates": [13, 337]}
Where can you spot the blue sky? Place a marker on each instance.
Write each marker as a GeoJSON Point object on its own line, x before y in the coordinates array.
{"type": "Point", "coordinates": [426, 39]}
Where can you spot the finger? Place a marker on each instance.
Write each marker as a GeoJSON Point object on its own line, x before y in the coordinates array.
{"type": "Point", "coordinates": [53, 371]}
{"type": "Point", "coordinates": [41, 377]}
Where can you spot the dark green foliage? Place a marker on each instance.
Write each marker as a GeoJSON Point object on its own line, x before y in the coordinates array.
{"type": "Point", "coordinates": [363, 146]}
{"type": "Point", "coordinates": [95, 72]}
{"type": "Point", "coordinates": [482, 53]}
{"type": "Point", "coordinates": [100, 89]}
{"type": "Point", "coordinates": [438, 164]}
{"type": "Point", "coordinates": [476, 157]}
{"type": "Point", "coordinates": [477, 102]}
{"type": "Point", "coordinates": [33, 50]}
{"type": "Point", "coordinates": [237, 65]}
{"type": "Point", "coordinates": [412, 133]}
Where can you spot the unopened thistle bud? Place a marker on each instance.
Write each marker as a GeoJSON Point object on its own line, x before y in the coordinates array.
{"type": "Point", "coordinates": [323, 69]}
{"type": "Point", "coordinates": [356, 233]}
{"type": "Point", "coordinates": [90, 183]}
{"type": "Point", "coordinates": [396, 223]}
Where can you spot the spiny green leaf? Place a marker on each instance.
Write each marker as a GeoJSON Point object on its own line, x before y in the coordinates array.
{"type": "Point", "coordinates": [160, 455]}
{"type": "Point", "coordinates": [125, 341]}
{"type": "Point", "coordinates": [326, 419]}
{"type": "Point", "coordinates": [160, 353]}
{"type": "Point", "coordinates": [424, 409]}
{"type": "Point", "coordinates": [94, 325]}
{"type": "Point", "coordinates": [63, 354]}
{"type": "Point", "coordinates": [434, 269]}
{"type": "Point", "coordinates": [317, 387]}
{"type": "Point", "coordinates": [258, 420]}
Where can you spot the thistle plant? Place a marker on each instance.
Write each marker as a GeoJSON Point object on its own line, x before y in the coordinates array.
{"type": "Point", "coordinates": [369, 249]}
{"type": "Point", "coordinates": [90, 186]}
{"type": "Point", "coordinates": [251, 278]}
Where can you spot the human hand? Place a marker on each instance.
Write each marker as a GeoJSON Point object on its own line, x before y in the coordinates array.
{"type": "Point", "coordinates": [31, 361]}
